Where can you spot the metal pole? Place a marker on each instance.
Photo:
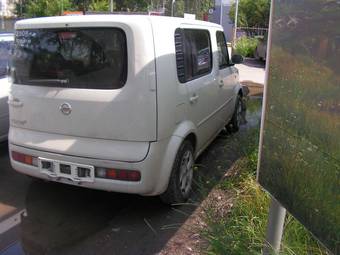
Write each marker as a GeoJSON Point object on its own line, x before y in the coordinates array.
{"type": "Point", "coordinates": [276, 221]}
{"type": "Point", "coordinates": [20, 8]}
{"type": "Point", "coordinates": [172, 7]}
{"type": "Point", "coordinates": [2, 16]}
{"type": "Point", "coordinates": [111, 6]}
{"type": "Point", "coordinates": [236, 17]}
{"type": "Point", "coordinates": [221, 12]}
{"type": "Point", "coordinates": [62, 7]}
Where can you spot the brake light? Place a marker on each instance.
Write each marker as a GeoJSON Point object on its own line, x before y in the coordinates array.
{"type": "Point", "coordinates": [121, 175]}
{"type": "Point", "coordinates": [24, 158]}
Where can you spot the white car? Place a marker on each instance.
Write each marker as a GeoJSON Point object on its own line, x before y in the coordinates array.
{"type": "Point", "coordinates": [120, 103]}
{"type": "Point", "coordinates": [6, 42]}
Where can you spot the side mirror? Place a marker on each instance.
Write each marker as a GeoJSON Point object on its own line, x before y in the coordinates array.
{"type": "Point", "coordinates": [237, 59]}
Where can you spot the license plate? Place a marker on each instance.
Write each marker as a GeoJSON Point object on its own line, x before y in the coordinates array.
{"type": "Point", "coordinates": [61, 169]}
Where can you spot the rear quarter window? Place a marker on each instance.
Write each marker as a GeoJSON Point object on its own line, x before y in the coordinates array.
{"type": "Point", "coordinates": [85, 58]}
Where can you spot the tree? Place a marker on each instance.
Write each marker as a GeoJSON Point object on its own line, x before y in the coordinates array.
{"type": "Point", "coordinates": [99, 5]}
{"type": "Point", "coordinates": [252, 13]}
{"type": "Point", "coordinates": [41, 8]}
{"type": "Point", "coordinates": [38, 8]}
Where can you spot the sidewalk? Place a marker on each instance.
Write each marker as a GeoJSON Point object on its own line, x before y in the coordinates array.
{"type": "Point", "coordinates": [252, 75]}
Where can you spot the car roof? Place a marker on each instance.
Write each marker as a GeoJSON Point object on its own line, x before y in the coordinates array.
{"type": "Point", "coordinates": [6, 37]}
{"type": "Point", "coordinates": [50, 22]}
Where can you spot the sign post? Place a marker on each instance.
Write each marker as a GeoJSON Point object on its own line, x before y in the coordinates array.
{"type": "Point", "coordinates": [276, 220]}
{"type": "Point", "coordinates": [299, 156]}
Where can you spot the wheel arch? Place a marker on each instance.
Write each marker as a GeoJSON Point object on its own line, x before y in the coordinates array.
{"type": "Point", "coordinates": [184, 131]}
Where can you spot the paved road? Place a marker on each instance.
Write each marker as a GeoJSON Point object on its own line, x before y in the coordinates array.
{"type": "Point", "coordinates": [39, 217]}
{"type": "Point", "coordinates": [252, 71]}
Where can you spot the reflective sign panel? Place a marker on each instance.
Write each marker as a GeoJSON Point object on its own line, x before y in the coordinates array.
{"type": "Point", "coordinates": [300, 146]}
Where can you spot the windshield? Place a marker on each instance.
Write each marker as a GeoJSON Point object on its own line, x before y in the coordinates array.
{"type": "Point", "coordinates": [92, 58]}
{"type": "Point", "coordinates": [5, 54]}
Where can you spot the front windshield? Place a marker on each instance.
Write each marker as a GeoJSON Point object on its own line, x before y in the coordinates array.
{"type": "Point", "coordinates": [5, 54]}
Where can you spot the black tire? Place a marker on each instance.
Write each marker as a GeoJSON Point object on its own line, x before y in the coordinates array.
{"type": "Point", "coordinates": [175, 193]}
{"type": "Point", "coordinates": [235, 122]}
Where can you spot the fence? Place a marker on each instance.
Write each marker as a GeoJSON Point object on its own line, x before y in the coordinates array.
{"type": "Point", "coordinates": [251, 31]}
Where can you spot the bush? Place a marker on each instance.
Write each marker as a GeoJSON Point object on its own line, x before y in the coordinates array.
{"type": "Point", "coordinates": [246, 46]}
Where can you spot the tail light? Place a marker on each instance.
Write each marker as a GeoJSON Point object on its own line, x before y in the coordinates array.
{"type": "Point", "coordinates": [121, 175]}
{"type": "Point", "coordinates": [24, 158]}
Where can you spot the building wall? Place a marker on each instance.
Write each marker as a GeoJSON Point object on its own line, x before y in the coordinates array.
{"type": "Point", "coordinates": [7, 8]}
{"type": "Point", "coordinates": [7, 16]}
{"type": "Point", "coordinates": [226, 22]}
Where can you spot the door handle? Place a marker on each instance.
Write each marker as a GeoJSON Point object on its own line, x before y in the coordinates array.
{"type": "Point", "coordinates": [15, 102]}
{"type": "Point", "coordinates": [194, 98]}
{"type": "Point", "coordinates": [220, 83]}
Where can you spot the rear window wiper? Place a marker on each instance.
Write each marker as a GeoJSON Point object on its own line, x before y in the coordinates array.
{"type": "Point", "coordinates": [61, 81]}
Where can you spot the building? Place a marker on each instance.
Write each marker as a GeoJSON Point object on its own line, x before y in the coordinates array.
{"type": "Point", "coordinates": [7, 8]}
{"type": "Point", "coordinates": [224, 19]}
{"type": "Point", "coordinates": [7, 15]}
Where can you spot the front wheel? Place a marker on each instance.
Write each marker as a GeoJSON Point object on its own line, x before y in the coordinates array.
{"type": "Point", "coordinates": [235, 122]}
{"type": "Point", "coordinates": [179, 187]}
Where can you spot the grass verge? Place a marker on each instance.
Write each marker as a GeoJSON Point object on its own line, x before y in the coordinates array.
{"type": "Point", "coordinates": [242, 231]}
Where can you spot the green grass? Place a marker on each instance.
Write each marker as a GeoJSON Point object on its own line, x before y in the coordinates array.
{"type": "Point", "coordinates": [243, 231]}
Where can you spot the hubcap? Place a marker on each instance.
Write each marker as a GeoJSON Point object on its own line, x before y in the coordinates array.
{"type": "Point", "coordinates": [186, 172]}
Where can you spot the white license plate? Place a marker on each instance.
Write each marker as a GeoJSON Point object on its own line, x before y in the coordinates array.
{"type": "Point", "coordinates": [61, 169]}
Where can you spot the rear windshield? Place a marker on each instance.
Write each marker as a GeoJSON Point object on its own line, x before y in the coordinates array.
{"type": "Point", "coordinates": [85, 58]}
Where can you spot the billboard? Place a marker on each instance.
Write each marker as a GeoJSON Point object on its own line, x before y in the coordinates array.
{"type": "Point", "coordinates": [300, 134]}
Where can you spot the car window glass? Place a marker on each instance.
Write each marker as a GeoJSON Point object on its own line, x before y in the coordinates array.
{"type": "Point", "coordinates": [198, 52]}
{"type": "Point", "coordinates": [193, 53]}
{"type": "Point", "coordinates": [223, 56]}
{"type": "Point", "coordinates": [89, 58]}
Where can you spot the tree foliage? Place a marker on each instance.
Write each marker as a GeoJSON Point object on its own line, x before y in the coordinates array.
{"type": "Point", "coordinates": [38, 8]}
{"type": "Point", "coordinates": [252, 13]}
{"type": "Point", "coordinates": [99, 5]}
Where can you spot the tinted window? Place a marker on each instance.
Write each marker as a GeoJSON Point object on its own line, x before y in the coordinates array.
{"type": "Point", "coordinates": [193, 53]}
{"type": "Point", "coordinates": [223, 56]}
{"type": "Point", "coordinates": [5, 54]}
{"type": "Point", "coordinates": [92, 58]}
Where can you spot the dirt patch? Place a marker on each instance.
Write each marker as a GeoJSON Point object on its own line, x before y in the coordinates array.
{"type": "Point", "coordinates": [255, 89]}
{"type": "Point", "coordinates": [188, 240]}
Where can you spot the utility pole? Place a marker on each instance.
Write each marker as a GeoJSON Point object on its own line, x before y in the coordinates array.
{"type": "Point", "coordinates": [111, 5]}
{"type": "Point", "coordinates": [2, 8]}
{"type": "Point", "coordinates": [172, 7]}
{"type": "Point", "coordinates": [236, 17]}
{"type": "Point", "coordinates": [20, 8]}
{"type": "Point", "coordinates": [221, 13]}
{"type": "Point", "coordinates": [62, 7]}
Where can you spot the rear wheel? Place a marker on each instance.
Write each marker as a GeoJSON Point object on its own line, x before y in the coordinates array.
{"type": "Point", "coordinates": [235, 122]}
{"type": "Point", "coordinates": [179, 187]}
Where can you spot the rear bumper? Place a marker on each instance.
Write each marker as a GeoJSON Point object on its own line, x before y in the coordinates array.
{"type": "Point", "coordinates": [124, 151]}
{"type": "Point", "coordinates": [149, 169]}
{"type": "Point", "coordinates": [154, 168]}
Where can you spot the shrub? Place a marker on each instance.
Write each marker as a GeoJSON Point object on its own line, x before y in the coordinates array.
{"type": "Point", "coordinates": [246, 46]}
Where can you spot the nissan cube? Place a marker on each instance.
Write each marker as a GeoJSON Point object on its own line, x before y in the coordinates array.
{"type": "Point", "coordinates": [119, 103]}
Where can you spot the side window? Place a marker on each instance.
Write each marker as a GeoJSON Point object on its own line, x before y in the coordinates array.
{"type": "Point", "coordinates": [223, 56]}
{"type": "Point", "coordinates": [193, 53]}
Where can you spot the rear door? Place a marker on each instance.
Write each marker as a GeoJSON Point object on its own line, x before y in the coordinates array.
{"type": "Point", "coordinates": [83, 81]}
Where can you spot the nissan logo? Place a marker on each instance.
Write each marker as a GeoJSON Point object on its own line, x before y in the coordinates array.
{"type": "Point", "coordinates": [65, 108]}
